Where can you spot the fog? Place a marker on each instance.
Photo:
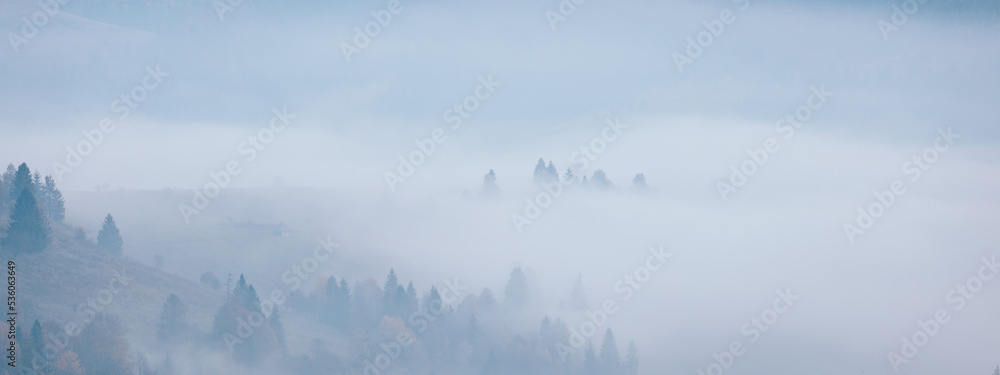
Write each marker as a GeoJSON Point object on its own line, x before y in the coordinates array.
{"type": "Point", "coordinates": [300, 137]}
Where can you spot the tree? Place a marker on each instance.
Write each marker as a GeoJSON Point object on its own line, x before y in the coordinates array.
{"type": "Point", "coordinates": [102, 347]}
{"type": "Point", "coordinates": [5, 196]}
{"type": "Point", "coordinates": [591, 365]}
{"type": "Point", "coordinates": [433, 304]}
{"type": "Point", "coordinates": [551, 174]}
{"type": "Point", "coordinates": [569, 177]}
{"type": "Point", "coordinates": [173, 319]}
{"type": "Point", "coordinates": [631, 362]}
{"type": "Point", "coordinates": [279, 331]}
{"type": "Point", "coordinates": [338, 298]}
{"type": "Point", "coordinates": [411, 299]}
{"type": "Point", "coordinates": [389, 294]}
{"type": "Point", "coordinates": [600, 180]}
{"type": "Point", "coordinates": [230, 328]}
{"type": "Point", "coordinates": [639, 182]}
{"type": "Point", "coordinates": [22, 179]}
{"type": "Point", "coordinates": [8, 181]}
{"type": "Point", "coordinates": [28, 232]}
{"type": "Point", "coordinates": [486, 302]}
{"type": "Point", "coordinates": [539, 175]}
{"type": "Point", "coordinates": [490, 187]}
{"type": "Point", "coordinates": [53, 201]}
{"type": "Point", "coordinates": [610, 360]}
{"type": "Point", "coordinates": [208, 278]}
{"type": "Point", "coordinates": [108, 237]}
{"type": "Point", "coordinates": [246, 296]}
{"type": "Point", "coordinates": [516, 291]}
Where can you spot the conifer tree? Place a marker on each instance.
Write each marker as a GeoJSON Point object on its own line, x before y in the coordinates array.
{"type": "Point", "coordinates": [8, 181]}
{"type": "Point", "coordinates": [516, 291]}
{"type": "Point", "coordinates": [173, 319]}
{"type": "Point", "coordinates": [631, 361]}
{"type": "Point", "coordinates": [591, 365]}
{"type": "Point", "coordinates": [432, 302]}
{"type": "Point", "coordinates": [279, 331]}
{"type": "Point", "coordinates": [639, 182]}
{"type": "Point", "coordinates": [600, 180]}
{"type": "Point", "coordinates": [22, 179]}
{"type": "Point", "coordinates": [389, 294]}
{"type": "Point", "coordinates": [539, 175]}
{"type": "Point", "coordinates": [108, 237]}
{"type": "Point", "coordinates": [490, 187]}
{"type": "Point", "coordinates": [551, 174]}
{"type": "Point", "coordinates": [610, 359]}
{"type": "Point", "coordinates": [4, 195]}
{"type": "Point", "coordinates": [411, 299]}
{"type": "Point", "coordinates": [569, 177]}
{"type": "Point", "coordinates": [28, 232]}
{"type": "Point", "coordinates": [55, 206]}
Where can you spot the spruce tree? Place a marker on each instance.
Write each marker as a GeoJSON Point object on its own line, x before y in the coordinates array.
{"type": "Point", "coordinates": [36, 183]}
{"type": "Point", "coordinates": [28, 232]}
{"type": "Point", "coordinates": [108, 237]}
{"type": "Point", "coordinates": [610, 359]}
{"type": "Point", "coordinates": [639, 182]}
{"type": "Point", "coordinates": [389, 294]}
{"type": "Point", "coordinates": [22, 179]}
{"type": "Point", "coordinates": [433, 304]}
{"type": "Point", "coordinates": [631, 362]}
{"type": "Point", "coordinates": [569, 177]}
{"type": "Point", "coordinates": [591, 365]}
{"type": "Point", "coordinates": [551, 174]}
{"type": "Point", "coordinates": [173, 319]}
{"type": "Point", "coordinates": [540, 171]}
{"type": "Point", "coordinates": [8, 182]}
{"type": "Point", "coordinates": [490, 187]}
{"type": "Point", "coordinates": [516, 292]}
{"type": "Point", "coordinates": [55, 206]}
{"type": "Point", "coordinates": [600, 180]}
{"type": "Point", "coordinates": [411, 299]}
{"type": "Point", "coordinates": [279, 331]}
{"type": "Point", "coordinates": [5, 196]}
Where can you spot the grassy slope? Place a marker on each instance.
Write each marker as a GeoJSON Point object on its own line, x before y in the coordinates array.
{"type": "Point", "coordinates": [54, 282]}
